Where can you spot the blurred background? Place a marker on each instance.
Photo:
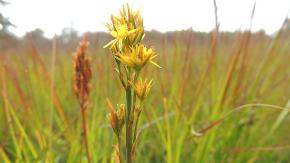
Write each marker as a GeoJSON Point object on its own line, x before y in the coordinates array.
{"type": "Point", "coordinates": [85, 15]}
{"type": "Point", "coordinates": [216, 57]}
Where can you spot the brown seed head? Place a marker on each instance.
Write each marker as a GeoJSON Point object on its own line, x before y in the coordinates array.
{"type": "Point", "coordinates": [82, 73]}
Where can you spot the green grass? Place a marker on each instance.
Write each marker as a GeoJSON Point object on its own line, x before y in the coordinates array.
{"type": "Point", "coordinates": [187, 96]}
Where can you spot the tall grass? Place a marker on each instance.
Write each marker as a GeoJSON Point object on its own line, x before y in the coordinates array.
{"type": "Point", "coordinates": [214, 100]}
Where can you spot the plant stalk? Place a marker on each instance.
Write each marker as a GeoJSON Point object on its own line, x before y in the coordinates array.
{"type": "Point", "coordinates": [84, 134]}
{"type": "Point", "coordinates": [128, 124]}
{"type": "Point", "coordinates": [119, 149]}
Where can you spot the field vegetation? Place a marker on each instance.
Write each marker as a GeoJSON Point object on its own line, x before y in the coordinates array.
{"type": "Point", "coordinates": [219, 97]}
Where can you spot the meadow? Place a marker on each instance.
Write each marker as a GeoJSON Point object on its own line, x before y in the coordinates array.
{"type": "Point", "coordinates": [219, 97]}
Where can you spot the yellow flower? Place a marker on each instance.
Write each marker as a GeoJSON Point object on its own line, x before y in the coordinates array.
{"type": "Point", "coordinates": [142, 88]}
{"type": "Point", "coordinates": [137, 57]}
{"type": "Point", "coordinates": [128, 25]}
{"type": "Point", "coordinates": [121, 32]}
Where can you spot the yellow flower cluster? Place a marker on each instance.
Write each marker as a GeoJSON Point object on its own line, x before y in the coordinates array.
{"type": "Point", "coordinates": [127, 29]}
{"type": "Point", "coordinates": [128, 32]}
{"type": "Point", "coordinates": [137, 57]}
{"type": "Point", "coordinates": [131, 57]}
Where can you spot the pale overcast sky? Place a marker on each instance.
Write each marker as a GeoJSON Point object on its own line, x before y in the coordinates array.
{"type": "Point", "coordinates": [163, 15]}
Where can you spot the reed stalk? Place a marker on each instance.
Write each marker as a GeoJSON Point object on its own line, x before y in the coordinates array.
{"type": "Point", "coordinates": [82, 78]}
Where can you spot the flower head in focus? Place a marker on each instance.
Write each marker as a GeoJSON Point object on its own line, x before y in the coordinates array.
{"type": "Point", "coordinates": [142, 88]}
{"type": "Point", "coordinates": [137, 57]}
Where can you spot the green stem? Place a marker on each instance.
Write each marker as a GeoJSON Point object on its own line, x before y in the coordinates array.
{"type": "Point", "coordinates": [136, 125]}
{"type": "Point", "coordinates": [119, 147]}
{"type": "Point", "coordinates": [128, 124]}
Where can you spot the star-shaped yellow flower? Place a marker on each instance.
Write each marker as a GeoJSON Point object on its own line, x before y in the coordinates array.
{"type": "Point", "coordinates": [119, 32]}
{"type": "Point", "coordinates": [142, 88]}
{"type": "Point", "coordinates": [137, 57]}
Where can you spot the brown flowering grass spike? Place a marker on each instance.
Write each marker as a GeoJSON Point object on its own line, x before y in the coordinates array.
{"type": "Point", "coordinates": [82, 78]}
